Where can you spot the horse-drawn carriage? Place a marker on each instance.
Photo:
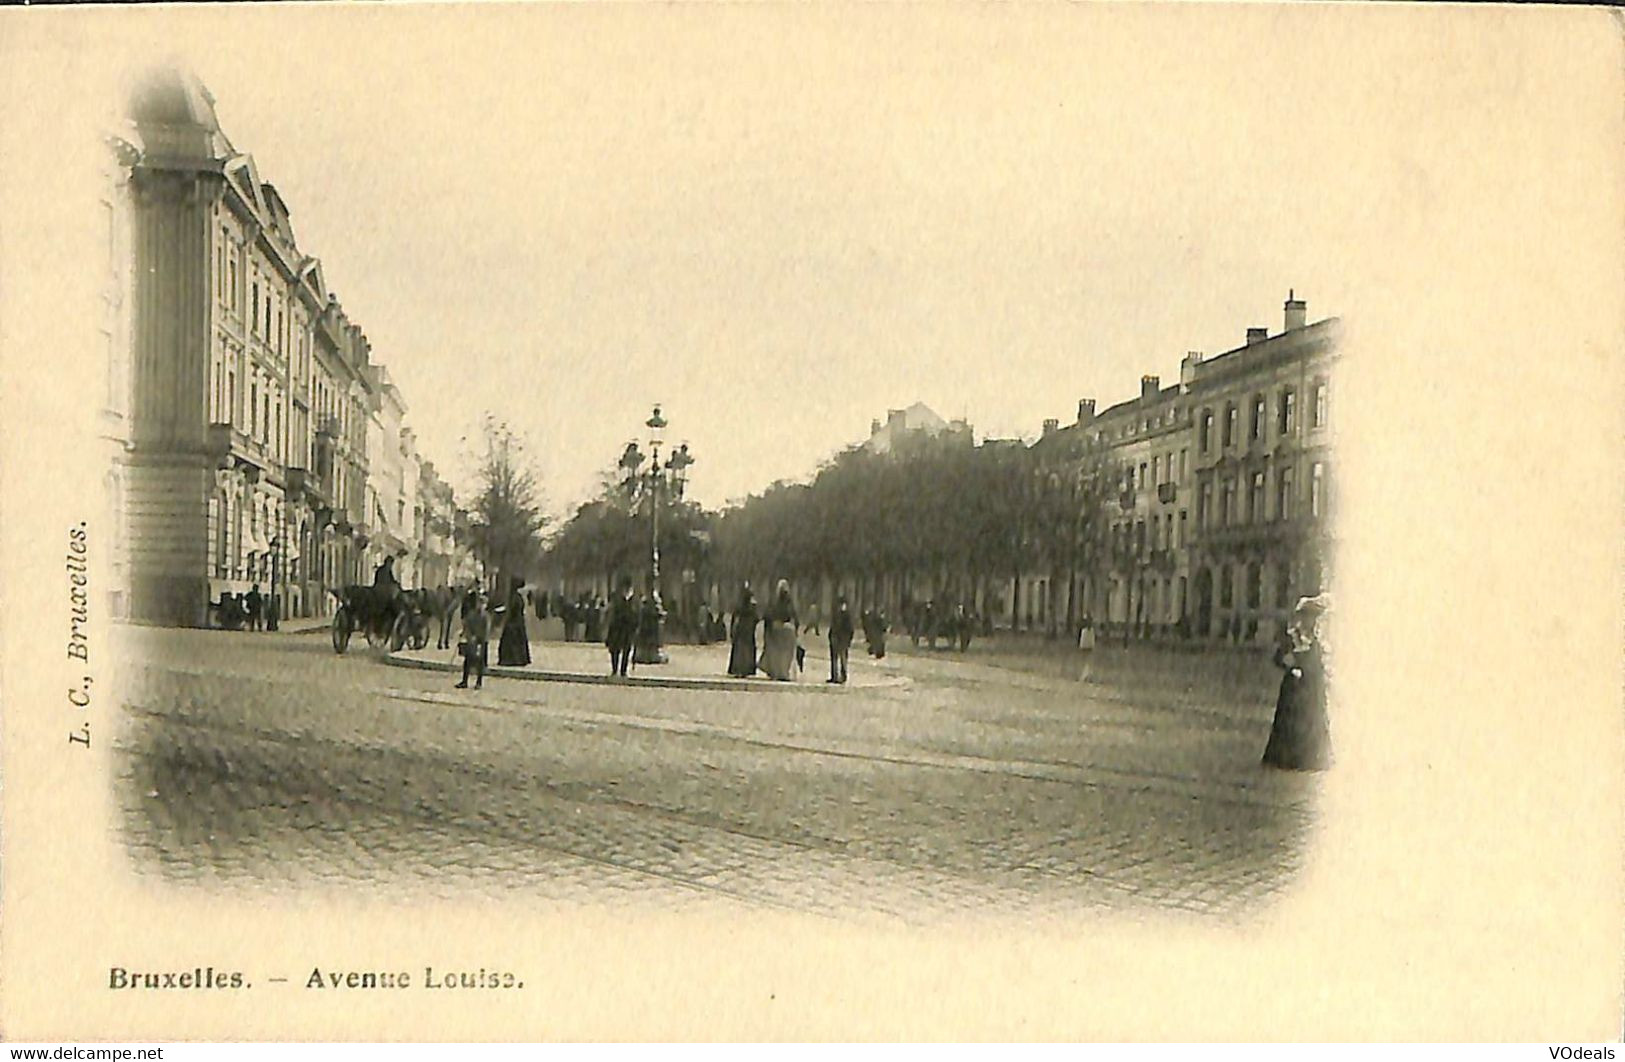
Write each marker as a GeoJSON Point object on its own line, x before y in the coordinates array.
{"type": "Point", "coordinates": [386, 616]}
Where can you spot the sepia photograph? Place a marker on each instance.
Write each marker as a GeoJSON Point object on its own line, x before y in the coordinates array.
{"type": "Point", "coordinates": [791, 497]}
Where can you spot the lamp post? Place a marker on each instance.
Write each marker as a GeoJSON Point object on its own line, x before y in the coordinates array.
{"type": "Point", "coordinates": [669, 477]}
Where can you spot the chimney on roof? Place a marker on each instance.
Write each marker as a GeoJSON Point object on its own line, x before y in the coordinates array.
{"type": "Point", "coordinates": [874, 426]}
{"type": "Point", "coordinates": [1257, 335]}
{"type": "Point", "coordinates": [894, 418]}
{"type": "Point", "coordinates": [1051, 426]}
{"type": "Point", "coordinates": [1296, 311]}
{"type": "Point", "coordinates": [1086, 410]}
{"type": "Point", "coordinates": [1187, 367]}
{"type": "Point", "coordinates": [1149, 386]}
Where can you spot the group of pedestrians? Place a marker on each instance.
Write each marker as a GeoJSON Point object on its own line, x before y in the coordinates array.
{"type": "Point", "coordinates": [251, 610]}
{"type": "Point", "coordinates": [782, 655]}
{"type": "Point", "coordinates": [930, 621]}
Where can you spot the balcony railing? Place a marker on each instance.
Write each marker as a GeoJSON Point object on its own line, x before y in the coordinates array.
{"type": "Point", "coordinates": [1166, 492]}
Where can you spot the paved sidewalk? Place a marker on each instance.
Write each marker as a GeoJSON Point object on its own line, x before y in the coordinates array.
{"type": "Point", "coordinates": [693, 667]}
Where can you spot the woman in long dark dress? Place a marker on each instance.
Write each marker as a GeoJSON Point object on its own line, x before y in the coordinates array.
{"type": "Point", "coordinates": [742, 655]}
{"type": "Point", "coordinates": [1299, 737]}
{"type": "Point", "coordinates": [514, 648]}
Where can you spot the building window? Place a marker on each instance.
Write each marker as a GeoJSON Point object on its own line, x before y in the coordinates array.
{"type": "Point", "coordinates": [1142, 474]}
{"type": "Point", "coordinates": [1288, 411]}
{"type": "Point", "coordinates": [1228, 501]}
{"type": "Point", "coordinates": [1255, 430]}
{"type": "Point", "coordinates": [1182, 455]}
{"type": "Point", "coordinates": [1227, 586]}
{"type": "Point", "coordinates": [1317, 489]}
{"type": "Point", "coordinates": [1255, 586]}
{"type": "Point", "coordinates": [1256, 499]}
{"type": "Point", "coordinates": [1179, 542]}
{"type": "Point", "coordinates": [1283, 586]}
{"type": "Point", "coordinates": [1319, 413]}
{"type": "Point", "coordinates": [1285, 503]}
{"type": "Point", "coordinates": [1204, 506]}
{"type": "Point", "coordinates": [1207, 430]}
{"type": "Point", "coordinates": [255, 307]}
{"type": "Point", "coordinates": [1230, 424]}
{"type": "Point", "coordinates": [1156, 470]}
{"type": "Point", "coordinates": [254, 408]}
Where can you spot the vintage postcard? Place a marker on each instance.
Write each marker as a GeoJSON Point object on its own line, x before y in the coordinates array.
{"type": "Point", "coordinates": [804, 522]}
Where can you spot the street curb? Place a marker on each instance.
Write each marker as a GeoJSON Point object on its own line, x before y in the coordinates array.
{"type": "Point", "coordinates": [668, 682]}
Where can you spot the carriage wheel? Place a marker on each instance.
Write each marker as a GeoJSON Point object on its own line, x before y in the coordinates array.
{"type": "Point", "coordinates": [341, 630]}
{"type": "Point", "coordinates": [399, 632]}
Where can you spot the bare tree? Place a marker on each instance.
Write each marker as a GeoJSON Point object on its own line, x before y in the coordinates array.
{"type": "Point", "coordinates": [506, 519]}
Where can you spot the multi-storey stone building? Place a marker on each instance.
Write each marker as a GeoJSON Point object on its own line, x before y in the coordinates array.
{"type": "Point", "coordinates": [1262, 452]}
{"type": "Point", "coordinates": [1219, 519]}
{"type": "Point", "coordinates": [251, 390]}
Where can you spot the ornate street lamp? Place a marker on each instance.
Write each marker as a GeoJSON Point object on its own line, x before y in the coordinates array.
{"type": "Point", "coordinates": [671, 478]}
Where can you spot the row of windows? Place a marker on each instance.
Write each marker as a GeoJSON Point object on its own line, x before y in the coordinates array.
{"type": "Point", "coordinates": [1285, 417]}
{"type": "Point", "coordinates": [1160, 533]}
{"type": "Point", "coordinates": [1258, 500]}
{"type": "Point", "coordinates": [1160, 469]}
{"type": "Point", "coordinates": [269, 310]}
{"type": "Point", "coordinates": [1251, 576]}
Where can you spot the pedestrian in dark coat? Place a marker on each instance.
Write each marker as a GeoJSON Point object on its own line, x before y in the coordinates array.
{"type": "Point", "coordinates": [742, 637]}
{"type": "Point", "coordinates": [840, 641]}
{"type": "Point", "coordinates": [476, 640]}
{"type": "Point", "coordinates": [623, 628]}
{"type": "Point", "coordinates": [252, 602]}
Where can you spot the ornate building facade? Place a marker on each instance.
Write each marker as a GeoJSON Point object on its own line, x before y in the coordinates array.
{"type": "Point", "coordinates": [251, 390]}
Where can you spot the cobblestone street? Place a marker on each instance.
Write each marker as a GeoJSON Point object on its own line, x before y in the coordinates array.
{"type": "Point", "coordinates": [968, 789]}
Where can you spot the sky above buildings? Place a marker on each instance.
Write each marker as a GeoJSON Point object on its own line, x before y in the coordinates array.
{"type": "Point", "coordinates": [780, 223]}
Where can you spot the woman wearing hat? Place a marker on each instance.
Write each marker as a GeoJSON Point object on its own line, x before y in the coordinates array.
{"type": "Point", "coordinates": [1299, 737]}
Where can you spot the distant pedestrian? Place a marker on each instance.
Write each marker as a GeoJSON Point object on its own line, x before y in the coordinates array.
{"type": "Point", "coordinates": [445, 605]}
{"type": "Point", "coordinates": [840, 641]}
{"type": "Point", "coordinates": [651, 613]}
{"type": "Point", "coordinates": [592, 617]}
{"type": "Point", "coordinates": [779, 628]}
{"type": "Point", "coordinates": [877, 639]}
{"type": "Point", "coordinates": [813, 619]}
{"type": "Point", "coordinates": [1086, 648]}
{"type": "Point", "coordinates": [742, 638]}
{"type": "Point", "coordinates": [476, 640]}
{"type": "Point", "coordinates": [623, 628]}
{"type": "Point", "coordinates": [964, 626]}
{"type": "Point", "coordinates": [514, 648]}
{"type": "Point", "coordinates": [253, 603]}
